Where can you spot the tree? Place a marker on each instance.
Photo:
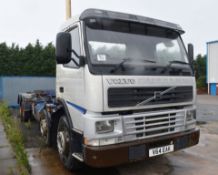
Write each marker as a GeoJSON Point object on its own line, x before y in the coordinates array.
{"type": "Point", "coordinates": [200, 70]}
{"type": "Point", "coordinates": [33, 60]}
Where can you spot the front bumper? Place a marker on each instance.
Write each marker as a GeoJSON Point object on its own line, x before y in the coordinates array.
{"type": "Point", "coordinates": [117, 154]}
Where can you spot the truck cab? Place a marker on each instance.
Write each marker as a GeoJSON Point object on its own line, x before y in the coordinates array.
{"type": "Point", "coordinates": [125, 87]}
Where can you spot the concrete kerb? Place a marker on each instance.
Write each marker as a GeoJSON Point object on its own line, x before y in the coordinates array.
{"type": "Point", "coordinates": [8, 161]}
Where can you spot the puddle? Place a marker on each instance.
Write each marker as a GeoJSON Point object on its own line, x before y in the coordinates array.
{"type": "Point", "coordinates": [46, 162]}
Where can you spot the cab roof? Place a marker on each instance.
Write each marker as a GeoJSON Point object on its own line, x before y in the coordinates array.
{"type": "Point", "coordinates": [105, 14]}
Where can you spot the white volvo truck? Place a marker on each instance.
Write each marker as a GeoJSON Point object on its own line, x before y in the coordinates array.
{"type": "Point", "coordinates": [125, 90]}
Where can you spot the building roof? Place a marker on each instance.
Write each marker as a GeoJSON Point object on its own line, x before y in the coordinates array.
{"type": "Point", "coordinates": [212, 42]}
{"type": "Point", "coordinates": [97, 13]}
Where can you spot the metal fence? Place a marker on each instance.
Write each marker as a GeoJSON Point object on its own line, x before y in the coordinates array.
{"type": "Point", "coordinates": [11, 86]}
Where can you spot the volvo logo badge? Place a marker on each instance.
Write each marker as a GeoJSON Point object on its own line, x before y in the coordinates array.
{"type": "Point", "coordinates": [121, 81]}
{"type": "Point", "coordinates": [157, 95]}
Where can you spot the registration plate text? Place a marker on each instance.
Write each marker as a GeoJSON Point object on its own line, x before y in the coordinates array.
{"type": "Point", "coordinates": [161, 150]}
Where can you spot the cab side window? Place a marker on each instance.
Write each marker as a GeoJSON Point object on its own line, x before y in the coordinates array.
{"type": "Point", "coordinates": [75, 46]}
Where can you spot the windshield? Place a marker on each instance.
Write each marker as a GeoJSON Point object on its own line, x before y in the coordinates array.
{"type": "Point", "coordinates": [136, 48]}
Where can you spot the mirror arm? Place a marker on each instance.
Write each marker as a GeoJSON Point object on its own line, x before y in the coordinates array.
{"type": "Point", "coordinates": [75, 62]}
{"type": "Point", "coordinates": [74, 52]}
{"type": "Point", "coordinates": [80, 57]}
{"type": "Point", "coordinates": [73, 58]}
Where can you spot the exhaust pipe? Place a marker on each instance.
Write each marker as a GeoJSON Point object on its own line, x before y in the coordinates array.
{"type": "Point", "coordinates": [68, 9]}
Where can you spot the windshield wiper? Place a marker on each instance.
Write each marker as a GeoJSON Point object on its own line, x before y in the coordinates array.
{"type": "Point", "coordinates": [174, 62]}
{"type": "Point", "coordinates": [126, 60]}
{"type": "Point", "coordinates": [120, 65]}
{"type": "Point", "coordinates": [149, 61]}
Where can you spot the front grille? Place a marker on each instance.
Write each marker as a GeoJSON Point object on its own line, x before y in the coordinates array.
{"type": "Point", "coordinates": [150, 125]}
{"type": "Point", "coordinates": [125, 97]}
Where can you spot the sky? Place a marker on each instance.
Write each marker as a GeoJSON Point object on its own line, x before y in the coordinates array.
{"type": "Point", "coordinates": [24, 21]}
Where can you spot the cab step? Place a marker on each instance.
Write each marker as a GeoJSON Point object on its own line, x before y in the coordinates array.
{"type": "Point", "coordinates": [78, 156]}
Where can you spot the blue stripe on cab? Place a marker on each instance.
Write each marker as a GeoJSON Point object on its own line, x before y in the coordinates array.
{"type": "Point", "coordinates": [79, 108]}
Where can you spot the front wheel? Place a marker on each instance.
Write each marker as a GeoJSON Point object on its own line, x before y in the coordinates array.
{"type": "Point", "coordinates": [65, 145]}
{"type": "Point", "coordinates": [44, 128]}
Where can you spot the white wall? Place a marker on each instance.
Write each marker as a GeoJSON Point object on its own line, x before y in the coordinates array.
{"type": "Point", "coordinates": [11, 86]}
{"type": "Point", "coordinates": [212, 62]}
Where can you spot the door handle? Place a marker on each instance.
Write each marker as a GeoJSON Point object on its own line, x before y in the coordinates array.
{"type": "Point", "coordinates": [61, 89]}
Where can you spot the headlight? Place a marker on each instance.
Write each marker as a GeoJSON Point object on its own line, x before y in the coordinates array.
{"type": "Point", "coordinates": [104, 126]}
{"type": "Point", "coordinates": [190, 115]}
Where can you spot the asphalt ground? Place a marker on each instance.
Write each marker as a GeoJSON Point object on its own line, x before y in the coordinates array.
{"type": "Point", "coordinates": [207, 108]}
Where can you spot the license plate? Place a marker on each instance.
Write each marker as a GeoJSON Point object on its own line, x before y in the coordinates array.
{"type": "Point", "coordinates": [161, 150]}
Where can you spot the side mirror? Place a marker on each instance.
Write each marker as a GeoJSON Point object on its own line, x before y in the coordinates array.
{"type": "Point", "coordinates": [63, 48]}
{"type": "Point", "coordinates": [191, 53]}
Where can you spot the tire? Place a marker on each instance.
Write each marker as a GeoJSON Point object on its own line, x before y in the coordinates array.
{"type": "Point", "coordinates": [65, 145]}
{"type": "Point", "coordinates": [24, 115]}
{"type": "Point", "coordinates": [44, 129]}
{"type": "Point", "coordinates": [27, 116]}
{"type": "Point", "coordinates": [20, 113]}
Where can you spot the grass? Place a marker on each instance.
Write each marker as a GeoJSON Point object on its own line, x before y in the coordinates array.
{"type": "Point", "coordinates": [15, 137]}
{"type": "Point", "coordinates": [28, 124]}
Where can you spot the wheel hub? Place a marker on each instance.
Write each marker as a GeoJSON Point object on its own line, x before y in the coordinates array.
{"type": "Point", "coordinates": [61, 142]}
{"type": "Point", "coordinates": [43, 127]}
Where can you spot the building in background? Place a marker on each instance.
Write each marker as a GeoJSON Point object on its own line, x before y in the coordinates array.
{"type": "Point", "coordinates": [212, 67]}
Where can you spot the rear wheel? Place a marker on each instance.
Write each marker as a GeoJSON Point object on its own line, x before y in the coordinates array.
{"type": "Point", "coordinates": [24, 115]}
{"type": "Point", "coordinates": [20, 112]}
{"type": "Point", "coordinates": [65, 145]}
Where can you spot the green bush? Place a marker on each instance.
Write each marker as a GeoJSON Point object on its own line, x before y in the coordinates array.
{"type": "Point", "coordinates": [201, 82]}
{"type": "Point", "coordinates": [15, 137]}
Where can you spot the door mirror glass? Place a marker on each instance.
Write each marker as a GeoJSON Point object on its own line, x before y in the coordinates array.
{"type": "Point", "coordinates": [63, 48]}
{"type": "Point", "coordinates": [191, 52]}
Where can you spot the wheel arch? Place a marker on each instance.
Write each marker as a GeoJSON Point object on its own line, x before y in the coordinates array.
{"type": "Point", "coordinates": [55, 117]}
{"type": "Point", "coordinates": [78, 136]}
{"type": "Point", "coordinates": [63, 110]}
